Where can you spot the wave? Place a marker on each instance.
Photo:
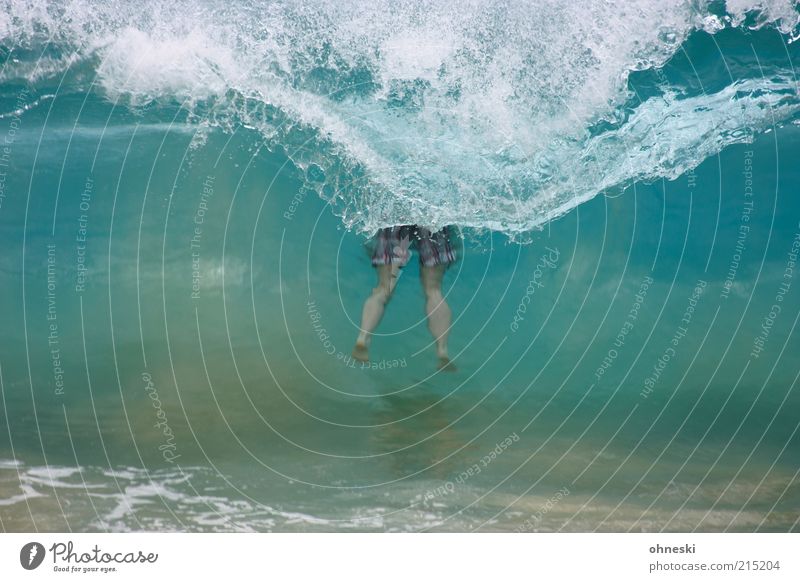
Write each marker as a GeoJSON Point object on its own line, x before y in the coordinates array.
{"type": "Point", "coordinates": [494, 114]}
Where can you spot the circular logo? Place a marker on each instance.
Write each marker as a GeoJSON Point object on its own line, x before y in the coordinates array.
{"type": "Point", "coordinates": [31, 555]}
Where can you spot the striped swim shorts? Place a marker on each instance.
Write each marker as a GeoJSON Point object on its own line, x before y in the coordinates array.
{"type": "Point", "coordinates": [434, 248]}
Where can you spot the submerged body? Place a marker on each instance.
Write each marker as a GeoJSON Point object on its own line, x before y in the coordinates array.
{"type": "Point", "coordinates": [390, 254]}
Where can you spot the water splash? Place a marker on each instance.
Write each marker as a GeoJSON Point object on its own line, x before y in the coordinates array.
{"type": "Point", "coordinates": [500, 115]}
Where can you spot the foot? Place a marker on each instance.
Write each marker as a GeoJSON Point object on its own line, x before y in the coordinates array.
{"type": "Point", "coordinates": [360, 352]}
{"type": "Point", "coordinates": [446, 365]}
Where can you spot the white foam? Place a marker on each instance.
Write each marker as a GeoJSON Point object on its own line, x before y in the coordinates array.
{"type": "Point", "coordinates": [467, 112]}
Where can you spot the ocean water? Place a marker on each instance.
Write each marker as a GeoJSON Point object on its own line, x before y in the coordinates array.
{"type": "Point", "coordinates": [185, 193]}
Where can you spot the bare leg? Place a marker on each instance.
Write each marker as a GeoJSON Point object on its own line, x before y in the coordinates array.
{"type": "Point", "coordinates": [439, 314]}
{"type": "Point", "coordinates": [373, 309]}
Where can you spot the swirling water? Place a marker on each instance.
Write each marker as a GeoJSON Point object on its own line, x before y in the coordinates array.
{"type": "Point", "coordinates": [186, 189]}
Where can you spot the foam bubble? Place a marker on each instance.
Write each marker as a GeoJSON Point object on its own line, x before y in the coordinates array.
{"type": "Point", "coordinates": [481, 114]}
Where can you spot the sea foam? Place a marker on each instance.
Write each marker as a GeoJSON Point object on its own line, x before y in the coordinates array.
{"type": "Point", "coordinates": [500, 115]}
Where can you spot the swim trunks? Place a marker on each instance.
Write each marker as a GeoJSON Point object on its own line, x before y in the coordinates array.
{"type": "Point", "coordinates": [434, 248]}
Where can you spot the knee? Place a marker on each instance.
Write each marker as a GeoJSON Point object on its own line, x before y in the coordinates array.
{"type": "Point", "coordinates": [383, 294]}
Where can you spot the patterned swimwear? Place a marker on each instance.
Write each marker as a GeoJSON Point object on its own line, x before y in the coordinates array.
{"type": "Point", "coordinates": [434, 248]}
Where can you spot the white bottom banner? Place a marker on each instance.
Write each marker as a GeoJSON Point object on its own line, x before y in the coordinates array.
{"type": "Point", "coordinates": [355, 557]}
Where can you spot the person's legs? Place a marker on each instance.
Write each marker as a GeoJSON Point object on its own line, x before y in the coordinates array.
{"type": "Point", "coordinates": [373, 310]}
{"type": "Point", "coordinates": [439, 314]}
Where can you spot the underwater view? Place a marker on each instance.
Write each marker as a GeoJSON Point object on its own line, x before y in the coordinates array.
{"type": "Point", "coordinates": [401, 266]}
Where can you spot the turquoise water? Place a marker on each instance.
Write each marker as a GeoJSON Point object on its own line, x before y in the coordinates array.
{"type": "Point", "coordinates": [184, 201]}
